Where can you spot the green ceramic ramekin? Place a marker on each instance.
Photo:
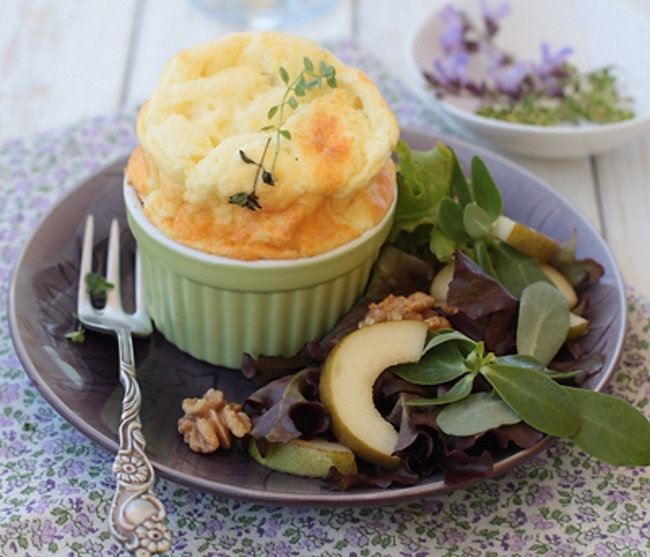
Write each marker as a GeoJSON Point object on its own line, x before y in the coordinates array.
{"type": "Point", "coordinates": [216, 308]}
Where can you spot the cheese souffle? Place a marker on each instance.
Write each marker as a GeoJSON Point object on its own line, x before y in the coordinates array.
{"type": "Point", "coordinates": [206, 133]}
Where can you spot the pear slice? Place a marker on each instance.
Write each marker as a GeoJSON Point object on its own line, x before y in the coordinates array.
{"type": "Point", "coordinates": [578, 326]}
{"type": "Point", "coordinates": [440, 284]}
{"type": "Point", "coordinates": [563, 285]}
{"type": "Point", "coordinates": [347, 379]}
{"type": "Point", "coordinates": [308, 458]}
{"type": "Point", "coordinates": [525, 239]}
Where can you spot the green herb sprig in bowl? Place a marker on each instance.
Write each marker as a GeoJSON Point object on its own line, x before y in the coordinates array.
{"type": "Point", "coordinates": [544, 92]}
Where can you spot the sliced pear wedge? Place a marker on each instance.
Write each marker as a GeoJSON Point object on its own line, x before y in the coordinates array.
{"type": "Point", "coordinates": [347, 379]}
{"type": "Point", "coordinates": [578, 326]}
{"type": "Point", "coordinates": [525, 239]}
{"type": "Point", "coordinates": [440, 283]}
{"type": "Point", "coordinates": [563, 285]}
{"type": "Point", "coordinates": [308, 458]}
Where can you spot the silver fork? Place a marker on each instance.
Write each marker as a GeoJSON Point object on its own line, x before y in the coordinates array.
{"type": "Point", "coordinates": [137, 517]}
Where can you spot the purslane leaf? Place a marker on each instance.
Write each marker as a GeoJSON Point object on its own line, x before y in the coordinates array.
{"type": "Point", "coordinates": [514, 269]}
{"type": "Point", "coordinates": [475, 414]}
{"type": "Point", "coordinates": [477, 222]}
{"type": "Point", "coordinates": [441, 246]}
{"type": "Point", "coordinates": [540, 401]}
{"type": "Point", "coordinates": [543, 322]}
{"type": "Point", "coordinates": [460, 390]}
{"type": "Point", "coordinates": [611, 429]}
{"type": "Point", "coordinates": [482, 257]}
{"type": "Point", "coordinates": [463, 342]}
{"type": "Point", "coordinates": [486, 193]}
{"type": "Point", "coordinates": [450, 219]}
{"type": "Point", "coordinates": [521, 360]}
{"type": "Point", "coordinates": [459, 183]}
{"type": "Point", "coordinates": [439, 365]}
{"type": "Point", "coordinates": [529, 362]}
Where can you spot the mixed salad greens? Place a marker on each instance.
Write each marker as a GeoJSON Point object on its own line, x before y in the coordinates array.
{"type": "Point", "coordinates": [507, 373]}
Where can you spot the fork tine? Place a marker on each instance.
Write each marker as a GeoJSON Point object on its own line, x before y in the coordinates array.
{"type": "Point", "coordinates": [140, 314]}
{"type": "Point", "coordinates": [139, 293]}
{"type": "Point", "coordinates": [86, 262]}
{"type": "Point", "coordinates": [114, 296]}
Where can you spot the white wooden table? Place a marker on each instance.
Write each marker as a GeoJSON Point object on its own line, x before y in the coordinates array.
{"type": "Point", "coordinates": [64, 60]}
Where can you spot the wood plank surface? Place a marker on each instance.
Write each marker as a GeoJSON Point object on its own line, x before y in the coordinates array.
{"type": "Point", "coordinates": [61, 61]}
{"type": "Point", "coordinates": [624, 190]}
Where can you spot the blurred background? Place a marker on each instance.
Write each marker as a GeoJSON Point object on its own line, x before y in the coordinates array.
{"type": "Point", "coordinates": [62, 60]}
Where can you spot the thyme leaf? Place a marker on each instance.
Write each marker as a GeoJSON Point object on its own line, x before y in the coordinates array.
{"type": "Point", "coordinates": [77, 335]}
{"type": "Point", "coordinates": [250, 200]}
{"type": "Point", "coordinates": [97, 287]}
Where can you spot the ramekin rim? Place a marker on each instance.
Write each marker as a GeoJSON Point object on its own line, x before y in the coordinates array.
{"type": "Point", "coordinates": [134, 206]}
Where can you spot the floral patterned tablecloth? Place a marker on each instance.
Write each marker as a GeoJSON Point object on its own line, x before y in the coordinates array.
{"type": "Point", "coordinates": [56, 485]}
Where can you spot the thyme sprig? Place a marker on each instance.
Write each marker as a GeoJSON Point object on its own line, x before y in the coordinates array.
{"type": "Point", "coordinates": [310, 77]}
{"type": "Point", "coordinates": [306, 80]}
{"type": "Point", "coordinates": [250, 200]}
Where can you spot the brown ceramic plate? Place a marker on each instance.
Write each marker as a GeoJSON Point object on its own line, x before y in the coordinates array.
{"type": "Point", "coordinates": [80, 380]}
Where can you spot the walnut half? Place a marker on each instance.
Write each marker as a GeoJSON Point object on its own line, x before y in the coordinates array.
{"type": "Point", "coordinates": [416, 307]}
{"type": "Point", "coordinates": [211, 421]}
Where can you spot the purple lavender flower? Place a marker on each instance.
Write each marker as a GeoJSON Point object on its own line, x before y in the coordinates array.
{"type": "Point", "coordinates": [491, 16]}
{"type": "Point", "coordinates": [509, 79]}
{"type": "Point", "coordinates": [453, 34]}
{"type": "Point", "coordinates": [451, 72]}
{"type": "Point", "coordinates": [552, 69]}
{"type": "Point", "coordinates": [496, 57]}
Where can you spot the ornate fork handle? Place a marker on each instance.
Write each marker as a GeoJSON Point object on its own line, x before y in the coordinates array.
{"type": "Point", "coordinates": [137, 517]}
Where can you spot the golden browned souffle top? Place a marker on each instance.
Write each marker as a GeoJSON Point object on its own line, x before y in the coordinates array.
{"type": "Point", "coordinates": [334, 178]}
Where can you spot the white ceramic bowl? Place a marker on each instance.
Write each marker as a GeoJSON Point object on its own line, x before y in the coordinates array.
{"type": "Point", "coordinates": [600, 32]}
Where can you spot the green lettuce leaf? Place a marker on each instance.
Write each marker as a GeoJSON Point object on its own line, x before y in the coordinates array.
{"type": "Point", "coordinates": [424, 180]}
